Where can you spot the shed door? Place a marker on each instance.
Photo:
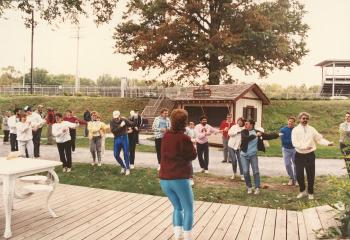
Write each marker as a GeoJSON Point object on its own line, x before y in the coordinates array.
{"type": "Point", "coordinates": [215, 114]}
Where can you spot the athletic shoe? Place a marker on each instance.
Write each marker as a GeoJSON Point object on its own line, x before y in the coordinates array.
{"type": "Point", "coordinates": [311, 197]}
{"type": "Point", "coordinates": [122, 171]}
{"type": "Point", "coordinates": [69, 169]}
{"type": "Point", "coordinates": [158, 168]}
{"type": "Point", "coordinates": [127, 172]}
{"type": "Point", "coordinates": [132, 166]}
{"type": "Point", "coordinates": [99, 164]}
{"type": "Point", "coordinates": [191, 182]}
{"type": "Point", "coordinates": [290, 183]}
{"type": "Point", "coordinates": [64, 169]}
{"type": "Point", "coordinates": [206, 171]}
{"type": "Point", "coordinates": [257, 191]}
{"type": "Point", "coordinates": [250, 191]}
{"type": "Point", "coordinates": [242, 178]}
{"type": "Point", "coordinates": [73, 152]}
{"type": "Point", "coordinates": [93, 164]}
{"type": "Point", "coordinates": [233, 176]}
{"type": "Point", "coordinates": [202, 171]}
{"type": "Point", "coordinates": [302, 195]}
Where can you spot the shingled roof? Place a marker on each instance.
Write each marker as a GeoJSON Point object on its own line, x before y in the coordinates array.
{"type": "Point", "coordinates": [231, 92]}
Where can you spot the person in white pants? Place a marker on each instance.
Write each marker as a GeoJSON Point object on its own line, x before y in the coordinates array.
{"type": "Point", "coordinates": [24, 136]}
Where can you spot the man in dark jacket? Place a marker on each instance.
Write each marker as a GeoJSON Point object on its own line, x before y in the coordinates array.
{"type": "Point", "coordinates": [252, 142]}
{"type": "Point", "coordinates": [87, 119]}
{"type": "Point", "coordinates": [119, 128]}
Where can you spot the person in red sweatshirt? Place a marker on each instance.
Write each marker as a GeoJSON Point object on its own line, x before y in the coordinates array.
{"type": "Point", "coordinates": [177, 154]}
{"type": "Point", "coordinates": [225, 126]}
{"type": "Point", "coordinates": [73, 132]}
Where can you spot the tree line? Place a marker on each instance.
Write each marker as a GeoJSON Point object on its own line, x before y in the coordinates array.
{"type": "Point", "coordinates": [11, 76]}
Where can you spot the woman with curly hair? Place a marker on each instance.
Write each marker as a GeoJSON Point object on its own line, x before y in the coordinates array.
{"type": "Point", "coordinates": [177, 153]}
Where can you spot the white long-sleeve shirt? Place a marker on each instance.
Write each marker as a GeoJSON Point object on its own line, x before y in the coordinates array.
{"type": "Point", "coordinates": [36, 120]}
{"type": "Point", "coordinates": [61, 131]}
{"type": "Point", "coordinates": [304, 137]}
{"type": "Point", "coordinates": [24, 131]}
{"type": "Point", "coordinates": [235, 137]}
{"type": "Point", "coordinates": [12, 121]}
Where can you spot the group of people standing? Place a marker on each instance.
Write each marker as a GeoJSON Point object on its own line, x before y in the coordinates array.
{"type": "Point", "coordinates": [180, 144]}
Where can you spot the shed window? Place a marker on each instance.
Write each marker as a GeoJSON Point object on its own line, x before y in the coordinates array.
{"type": "Point", "coordinates": [250, 112]}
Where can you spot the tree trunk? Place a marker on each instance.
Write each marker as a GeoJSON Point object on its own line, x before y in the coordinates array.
{"type": "Point", "coordinates": [214, 69]}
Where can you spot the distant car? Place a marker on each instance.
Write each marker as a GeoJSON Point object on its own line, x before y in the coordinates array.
{"type": "Point", "coordinates": [150, 94]}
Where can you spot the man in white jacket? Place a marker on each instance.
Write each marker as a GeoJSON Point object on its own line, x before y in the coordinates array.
{"type": "Point", "coordinates": [12, 121]}
{"type": "Point", "coordinates": [37, 122]}
{"type": "Point", "coordinates": [304, 138]}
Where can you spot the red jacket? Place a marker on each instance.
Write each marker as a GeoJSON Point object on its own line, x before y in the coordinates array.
{"type": "Point", "coordinates": [177, 152]}
{"type": "Point", "coordinates": [225, 124]}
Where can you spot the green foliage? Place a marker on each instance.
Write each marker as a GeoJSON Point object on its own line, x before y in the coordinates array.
{"type": "Point", "coordinates": [10, 76]}
{"type": "Point", "coordinates": [190, 38]}
{"type": "Point", "coordinates": [62, 10]}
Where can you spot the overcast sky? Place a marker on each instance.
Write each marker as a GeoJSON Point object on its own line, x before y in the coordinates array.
{"type": "Point", "coordinates": [55, 50]}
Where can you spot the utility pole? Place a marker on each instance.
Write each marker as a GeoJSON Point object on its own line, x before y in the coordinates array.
{"type": "Point", "coordinates": [31, 55]}
{"type": "Point", "coordinates": [77, 80]}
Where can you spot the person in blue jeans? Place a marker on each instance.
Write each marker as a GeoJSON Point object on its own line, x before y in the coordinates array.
{"type": "Point", "coordinates": [251, 142]}
{"type": "Point", "coordinates": [288, 150]}
{"type": "Point", "coordinates": [119, 128]}
{"type": "Point", "coordinates": [177, 154]}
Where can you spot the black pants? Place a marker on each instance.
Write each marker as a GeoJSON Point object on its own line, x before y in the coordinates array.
{"type": "Point", "coordinates": [307, 162]}
{"type": "Point", "coordinates": [13, 142]}
{"type": "Point", "coordinates": [6, 135]}
{"type": "Point", "coordinates": [73, 136]}
{"type": "Point", "coordinates": [137, 133]}
{"type": "Point", "coordinates": [158, 147]}
{"type": "Point", "coordinates": [132, 146]}
{"type": "Point", "coordinates": [203, 155]}
{"type": "Point", "coordinates": [65, 151]}
{"type": "Point", "coordinates": [36, 142]}
{"type": "Point", "coordinates": [345, 150]}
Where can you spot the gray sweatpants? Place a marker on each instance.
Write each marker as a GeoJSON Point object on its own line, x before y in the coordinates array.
{"type": "Point", "coordinates": [95, 148]}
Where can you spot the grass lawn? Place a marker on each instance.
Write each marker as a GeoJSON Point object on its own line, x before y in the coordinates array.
{"type": "Point", "coordinates": [84, 142]}
{"type": "Point", "coordinates": [209, 188]}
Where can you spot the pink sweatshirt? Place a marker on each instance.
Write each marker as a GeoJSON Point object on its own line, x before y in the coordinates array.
{"type": "Point", "coordinates": [201, 135]}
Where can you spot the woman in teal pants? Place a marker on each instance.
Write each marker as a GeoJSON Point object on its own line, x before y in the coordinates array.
{"type": "Point", "coordinates": [177, 152]}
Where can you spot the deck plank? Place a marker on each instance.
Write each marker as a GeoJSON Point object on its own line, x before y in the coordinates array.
{"type": "Point", "coordinates": [292, 225]}
{"type": "Point", "coordinates": [301, 226]}
{"type": "Point", "coordinates": [247, 224]}
{"type": "Point", "coordinates": [327, 216]}
{"type": "Point", "coordinates": [281, 225]}
{"type": "Point", "coordinates": [258, 225]}
{"type": "Point", "coordinates": [225, 223]}
{"type": "Point", "coordinates": [312, 222]}
{"type": "Point", "coordinates": [269, 225]}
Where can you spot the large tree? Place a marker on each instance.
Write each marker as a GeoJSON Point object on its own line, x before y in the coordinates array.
{"type": "Point", "coordinates": [188, 39]}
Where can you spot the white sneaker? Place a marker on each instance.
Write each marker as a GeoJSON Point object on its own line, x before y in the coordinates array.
{"type": "Point", "coordinates": [132, 166]}
{"type": "Point", "coordinates": [158, 168]}
{"type": "Point", "coordinates": [187, 235]}
{"type": "Point", "coordinates": [311, 197]}
{"type": "Point", "coordinates": [127, 172]}
{"type": "Point", "coordinates": [242, 178]}
{"type": "Point", "coordinates": [93, 164]}
{"type": "Point", "coordinates": [250, 191]}
{"type": "Point", "coordinates": [302, 195]}
{"type": "Point", "coordinates": [206, 171]}
{"type": "Point", "coordinates": [202, 171]}
{"type": "Point", "coordinates": [233, 176]}
{"type": "Point", "coordinates": [73, 152]}
{"type": "Point", "coordinates": [257, 191]}
{"type": "Point", "coordinates": [99, 164]}
{"type": "Point", "coordinates": [191, 182]}
{"type": "Point", "coordinates": [64, 170]}
{"type": "Point", "coordinates": [69, 169]}
{"type": "Point", "coordinates": [122, 171]}
{"type": "Point", "coordinates": [178, 233]}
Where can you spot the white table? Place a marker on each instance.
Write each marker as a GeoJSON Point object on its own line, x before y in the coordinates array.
{"type": "Point", "coordinates": [14, 168]}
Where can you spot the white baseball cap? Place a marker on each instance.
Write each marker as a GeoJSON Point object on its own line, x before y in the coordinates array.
{"type": "Point", "coordinates": [116, 114]}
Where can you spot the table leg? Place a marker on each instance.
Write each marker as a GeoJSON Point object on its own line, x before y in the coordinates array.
{"type": "Point", "coordinates": [56, 181]}
{"type": "Point", "coordinates": [8, 194]}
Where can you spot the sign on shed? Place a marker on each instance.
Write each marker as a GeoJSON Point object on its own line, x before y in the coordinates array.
{"type": "Point", "coordinates": [201, 93]}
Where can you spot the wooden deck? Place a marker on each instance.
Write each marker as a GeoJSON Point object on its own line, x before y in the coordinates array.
{"type": "Point", "coordinates": [88, 213]}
